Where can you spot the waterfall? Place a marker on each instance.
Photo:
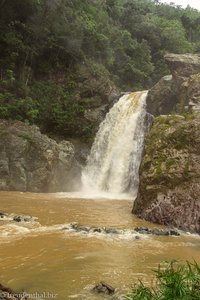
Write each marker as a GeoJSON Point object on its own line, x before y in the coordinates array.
{"type": "Point", "coordinates": [115, 156]}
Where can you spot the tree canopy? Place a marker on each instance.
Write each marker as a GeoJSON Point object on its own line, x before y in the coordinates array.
{"type": "Point", "coordinates": [44, 43]}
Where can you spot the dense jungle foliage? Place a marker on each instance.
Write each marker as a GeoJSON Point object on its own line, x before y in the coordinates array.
{"type": "Point", "coordinates": [61, 58]}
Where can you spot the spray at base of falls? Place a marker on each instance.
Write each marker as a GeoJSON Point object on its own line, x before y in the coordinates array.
{"type": "Point", "coordinates": [114, 160]}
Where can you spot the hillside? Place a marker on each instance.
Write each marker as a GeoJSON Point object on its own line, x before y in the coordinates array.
{"type": "Point", "coordinates": [63, 63]}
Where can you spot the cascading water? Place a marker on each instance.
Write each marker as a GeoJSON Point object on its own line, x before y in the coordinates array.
{"type": "Point", "coordinates": [115, 156]}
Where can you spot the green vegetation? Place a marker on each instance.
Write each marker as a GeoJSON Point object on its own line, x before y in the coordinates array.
{"type": "Point", "coordinates": [60, 58]}
{"type": "Point", "coordinates": [167, 157]}
{"type": "Point", "coordinates": [174, 282]}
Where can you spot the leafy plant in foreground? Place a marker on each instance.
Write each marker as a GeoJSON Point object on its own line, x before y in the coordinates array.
{"type": "Point", "coordinates": [174, 282]}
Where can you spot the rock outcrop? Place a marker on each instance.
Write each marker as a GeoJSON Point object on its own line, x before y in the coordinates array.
{"type": "Point", "coordinates": [162, 97]}
{"type": "Point", "coordinates": [180, 91]}
{"type": "Point", "coordinates": [103, 288]}
{"type": "Point", "coordinates": [169, 190]}
{"type": "Point", "coordinates": [183, 65]}
{"type": "Point", "coordinates": [30, 161]}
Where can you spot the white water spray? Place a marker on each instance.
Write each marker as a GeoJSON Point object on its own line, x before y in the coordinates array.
{"type": "Point", "coordinates": [115, 156]}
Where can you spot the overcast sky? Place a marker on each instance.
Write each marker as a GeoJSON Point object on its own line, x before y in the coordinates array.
{"type": "Point", "coordinates": [184, 3]}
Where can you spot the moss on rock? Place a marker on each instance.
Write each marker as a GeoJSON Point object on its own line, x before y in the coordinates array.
{"type": "Point", "coordinates": [171, 164]}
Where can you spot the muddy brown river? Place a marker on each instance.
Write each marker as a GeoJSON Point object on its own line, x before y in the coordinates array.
{"type": "Point", "coordinates": [42, 257]}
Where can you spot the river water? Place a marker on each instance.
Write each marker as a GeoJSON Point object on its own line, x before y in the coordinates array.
{"type": "Point", "coordinates": [42, 257]}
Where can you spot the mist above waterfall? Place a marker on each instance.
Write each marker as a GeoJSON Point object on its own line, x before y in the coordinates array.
{"type": "Point", "coordinates": [114, 160]}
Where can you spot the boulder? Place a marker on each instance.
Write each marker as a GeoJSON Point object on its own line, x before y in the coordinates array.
{"type": "Point", "coordinates": [31, 161]}
{"type": "Point", "coordinates": [169, 189]}
{"type": "Point", "coordinates": [183, 65]}
{"type": "Point", "coordinates": [104, 288]}
{"type": "Point", "coordinates": [3, 215]}
{"type": "Point", "coordinates": [80, 228]}
{"type": "Point", "coordinates": [178, 92]}
{"type": "Point", "coordinates": [157, 231]}
{"type": "Point", "coordinates": [162, 97]}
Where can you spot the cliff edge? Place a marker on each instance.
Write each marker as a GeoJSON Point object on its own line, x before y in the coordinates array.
{"type": "Point", "coordinates": [169, 189]}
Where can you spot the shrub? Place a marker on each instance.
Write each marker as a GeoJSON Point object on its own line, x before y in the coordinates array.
{"type": "Point", "coordinates": [173, 282]}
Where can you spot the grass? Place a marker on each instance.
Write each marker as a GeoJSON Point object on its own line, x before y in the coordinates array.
{"type": "Point", "coordinates": [173, 282]}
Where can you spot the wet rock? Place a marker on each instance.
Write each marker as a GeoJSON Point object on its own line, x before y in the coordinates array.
{"type": "Point", "coordinates": [17, 218]}
{"type": "Point", "coordinates": [65, 228]}
{"type": "Point", "coordinates": [24, 218]}
{"type": "Point", "coordinates": [142, 230]}
{"type": "Point", "coordinates": [157, 231]}
{"type": "Point", "coordinates": [31, 161]}
{"type": "Point", "coordinates": [111, 230]}
{"type": "Point", "coordinates": [174, 232]}
{"type": "Point", "coordinates": [82, 151]}
{"type": "Point", "coordinates": [8, 294]}
{"type": "Point", "coordinates": [104, 288]}
{"type": "Point", "coordinates": [74, 226]}
{"type": "Point", "coordinates": [104, 230]}
{"type": "Point", "coordinates": [3, 215]}
{"type": "Point", "coordinates": [84, 228]}
{"type": "Point", "coordinates": [116, 96]}
{"type": "Point", "coordinates": [97, 229]}
{"type": "Point", "coordinates": [79, 228]}
{"type": "Point", "coordinates": [160, 232]}
{"type": "Point", "coordinates": [115, 231]}
{"type": "Point", "coordinates": [169, 189]}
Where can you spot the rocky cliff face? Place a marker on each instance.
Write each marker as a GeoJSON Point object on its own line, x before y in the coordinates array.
{"type": "Point", "coordinates": [180, 91]}
{"type": "Point", "coordinates": [30, 161]}
{"type": "Point", "coordinates": [169, 190]}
